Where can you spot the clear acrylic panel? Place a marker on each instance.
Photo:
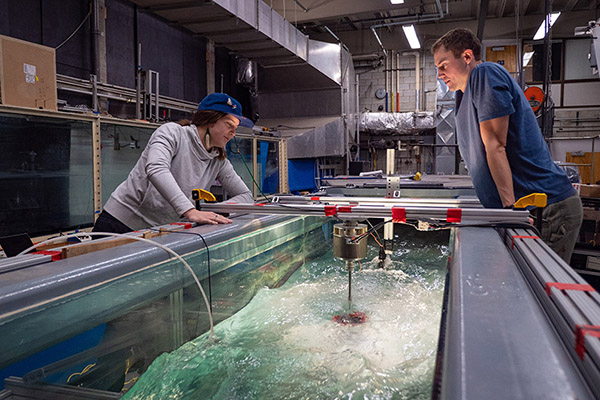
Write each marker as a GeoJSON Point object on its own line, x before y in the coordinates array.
{"type": "Point", "coordinates": [46, 179]}
{"type": "Point", "coordinates": [239, 153]}
{"type": "Point", "coordinates": [121, 148]}
{"type": "Point", "coordinates": [268, 166]}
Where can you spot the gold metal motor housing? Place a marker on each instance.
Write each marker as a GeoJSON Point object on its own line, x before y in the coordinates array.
{"type": "Point", "coordinates": [343, 246]}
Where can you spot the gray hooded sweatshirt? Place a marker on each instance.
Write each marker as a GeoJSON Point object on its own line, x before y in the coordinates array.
{"type": "Point", "coordinates": [159, 187]}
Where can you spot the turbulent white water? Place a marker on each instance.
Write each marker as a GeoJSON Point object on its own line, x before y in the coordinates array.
{"type": "Point", "coordinates": [284, 345]}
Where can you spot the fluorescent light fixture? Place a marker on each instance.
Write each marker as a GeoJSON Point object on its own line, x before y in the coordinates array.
{"type": "Point", "coordinates": [527, 57]}
{"type": "Point", "coordinates": [411, 36]}
{"type": "Point", "coordinates": [541, 32]}
{"type": "Point", "coordinates": [397, 1]}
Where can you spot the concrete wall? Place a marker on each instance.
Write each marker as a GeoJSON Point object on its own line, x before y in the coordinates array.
{"type": "Point", "coordinates": [373, 80]}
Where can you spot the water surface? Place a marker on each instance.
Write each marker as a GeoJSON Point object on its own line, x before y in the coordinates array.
{"type": "Point", "coordinates": [284, 345]}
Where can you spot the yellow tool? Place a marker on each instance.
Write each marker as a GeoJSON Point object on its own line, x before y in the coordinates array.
{"type": "Point", "coordinates": [201, 194]}
{"type": "Point", "coordinates": [534, 199]}
{"type": "Point", "coordinates": [539, 201]}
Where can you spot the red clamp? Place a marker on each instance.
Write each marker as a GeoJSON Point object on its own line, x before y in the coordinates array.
{"type": "Point", "coordinates": [580, 332]}
{"type": "Point", "coordinates": [186, 225]}
{"type": "Point", "coordinates": [330, 210]}
{"type": "Point", "coordinates": [398, 214]}
{"type": "Point", "coordinates": [454, 215]}
{"type": "Point", "coordinates": [512, 239]}
{"type": "Point", "coordinates": [260, 204]}
{"type": "Point", "coordinates": [315, 198]}
{"type": "Point", "coordinates": [568, 286]}
{"type": "Point", "coordinates": [345, 209]}
{"type": "Point", "coordinates": [56, 254]}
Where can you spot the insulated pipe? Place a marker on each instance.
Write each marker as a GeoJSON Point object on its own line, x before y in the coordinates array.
{"type": "Point", "coordinates": [417, 76]}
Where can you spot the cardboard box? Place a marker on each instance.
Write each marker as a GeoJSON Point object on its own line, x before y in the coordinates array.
{"type": "Point", "coordinates": [27, 74]}
{"type": "Point", "coordinates": [591, 214]}
{"type": "Point", "coordinates": [593, 263]}
{"type": "Point", "coordinates": [590, 191]}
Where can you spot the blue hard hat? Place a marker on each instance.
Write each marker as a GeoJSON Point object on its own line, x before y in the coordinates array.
{"type": "Point", "coordinates": [227, 104]}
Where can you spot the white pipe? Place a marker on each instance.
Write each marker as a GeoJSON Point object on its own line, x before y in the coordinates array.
{"type": "Point", "coordinates": [417, 55]}
{"type": "Point", "coordinates": [102, 234]}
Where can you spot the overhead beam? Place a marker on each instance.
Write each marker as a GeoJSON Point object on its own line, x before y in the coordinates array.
{"type": "Point", "coordinates": [482, 15]}
{"type": "Point", "coordinates": [569, 6]}
{"type": "Point", "coordinates": [178, 6]}
{"type": "Point", "coordinates": [192, 21]}
{"type": "Point", "coordinates": [524, 7]}
{"type": "Point", "coordinates": [351, 23]}
{"type": "Point", "coordinates": [500, 7]}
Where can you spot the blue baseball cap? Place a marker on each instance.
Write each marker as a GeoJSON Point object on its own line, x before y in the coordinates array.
{"type": "Point", "coordinates": [227, 104]}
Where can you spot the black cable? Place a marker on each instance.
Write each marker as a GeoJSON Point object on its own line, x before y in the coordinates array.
{"type": "Point", "coordinates": [248, 169]}
{"type": "Point", "coordinates": [371, 225]}
{"type": "Point", "coordinates": [440, 226]}
{"type": "Point", "coordinates": [75, 31]}
{"type": "Point", "coordinates": [368, 232]}
{"type": "Point", "coordinates": [207, 266]}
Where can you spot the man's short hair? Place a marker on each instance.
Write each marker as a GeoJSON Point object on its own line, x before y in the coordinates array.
{"type": "Point", "coordinates": [457, 41]}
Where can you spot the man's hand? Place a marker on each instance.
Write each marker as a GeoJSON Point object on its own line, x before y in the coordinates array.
{"type": "Point", "coordinates": [205, 217]}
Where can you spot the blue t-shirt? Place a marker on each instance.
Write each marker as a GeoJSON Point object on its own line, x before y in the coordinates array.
{"type": "Point", "coordinates": [492, 93]}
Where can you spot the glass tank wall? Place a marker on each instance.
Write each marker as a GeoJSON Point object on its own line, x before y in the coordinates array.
{"type": "Point", "coordinates": [285, 344]}
{"type": "Point", "coordinates": [121, 148]}
{"type": "Point", "coordinates": [46, 167]}
{"type": "Point", "coordinates": [45, 174]}
{"type": "Point", "coordinates": [93, 337]}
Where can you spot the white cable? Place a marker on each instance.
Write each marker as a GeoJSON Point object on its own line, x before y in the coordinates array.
{"type": "Point", "coordinates": [212, 333]}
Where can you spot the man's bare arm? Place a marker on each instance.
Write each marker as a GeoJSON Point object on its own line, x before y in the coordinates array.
{"type": "Point", "coordinates": [494, 133]}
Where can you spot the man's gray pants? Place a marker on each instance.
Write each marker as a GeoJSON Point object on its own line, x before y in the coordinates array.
{"type": "Point", "coordinates": [560, 225]}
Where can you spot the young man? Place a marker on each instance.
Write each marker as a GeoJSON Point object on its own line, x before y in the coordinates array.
{"type": "Point", "coordinates": [500, 141]}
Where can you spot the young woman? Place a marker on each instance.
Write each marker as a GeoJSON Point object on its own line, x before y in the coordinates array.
{"type": "Point", "coordinates": [179, 157]}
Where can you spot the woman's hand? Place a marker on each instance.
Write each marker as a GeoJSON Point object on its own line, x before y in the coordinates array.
{"type": "Point", "coordinates": [205, 217]}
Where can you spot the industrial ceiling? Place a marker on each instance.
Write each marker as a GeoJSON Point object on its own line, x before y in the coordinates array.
{"type": "Point", "coordinates": [351, 21]}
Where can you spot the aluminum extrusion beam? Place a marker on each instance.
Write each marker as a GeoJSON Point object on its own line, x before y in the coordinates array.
{"type": "Point", "coordinates": [498, 341]}
{"type": "Point", "coordinates": [28, 260]}
{"type": "Point", "coordinates": [572, 305]}
{"type": "Point", "coordinates": [442, 214]}
{"type": "Point", "coordinates": [471, 203]}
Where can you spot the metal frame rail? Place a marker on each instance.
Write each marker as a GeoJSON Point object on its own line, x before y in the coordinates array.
{"type": "Point", "coordinates": [316, 199]}
{"type": "Point", "coordinates": [399, 213]}
{"type": "Point", "coordinates": [571, 303]}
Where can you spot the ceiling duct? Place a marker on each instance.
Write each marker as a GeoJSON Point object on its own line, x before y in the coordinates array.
{"type": "Point", "coordinates": [253, 30]}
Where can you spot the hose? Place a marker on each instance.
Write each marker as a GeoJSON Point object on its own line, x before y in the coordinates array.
{"type": "Point", "coordinates": [101, 234]}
